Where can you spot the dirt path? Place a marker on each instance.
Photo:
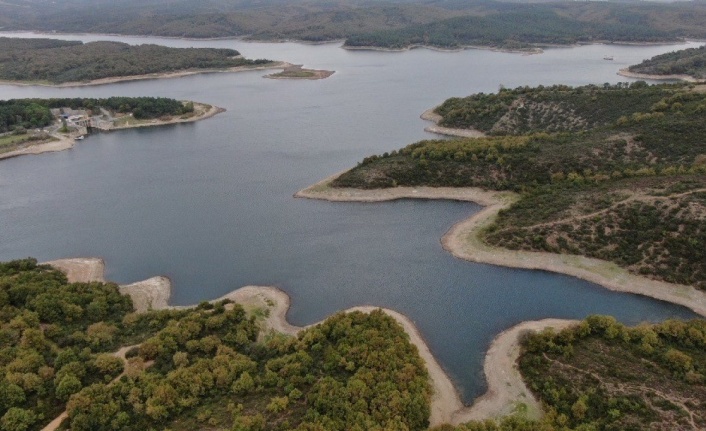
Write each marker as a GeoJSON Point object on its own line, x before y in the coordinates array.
{"type": "Point", "coordinates": [53, 425]}
{"type": "Point", "coordinates": [633, 198]}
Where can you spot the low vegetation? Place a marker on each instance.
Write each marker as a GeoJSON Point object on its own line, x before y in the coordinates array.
{"type": "Point", "coordinates": [613, 172]}
{"type": "Point", "coordinates": [689, 62]}
{"type": "Point", "coordinates": [56, 62]}
{"type": "Point", "coordinates": [208, 367]}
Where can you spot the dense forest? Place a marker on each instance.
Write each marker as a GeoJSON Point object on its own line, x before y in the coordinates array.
{"type": "Point", "coordinates": [517, 29]}
{"type": "Point", "coordinates": [691, 62]}
{"type": "Point", "coordinates": [389, 24]}
{"type": "Point", "coordinates": [35, 113]}
{"type": "Point", "coordinates": [60, 61]}
{"type": "Point", "coordinates": [613, 172]}
{"type": "Point", "coordinates": [204, 367]}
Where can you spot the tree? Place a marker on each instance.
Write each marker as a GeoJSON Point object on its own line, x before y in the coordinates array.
{"type": "Point", "coordinates": [16, 419]}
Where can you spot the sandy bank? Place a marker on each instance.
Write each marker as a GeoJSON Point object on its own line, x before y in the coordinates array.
{"type": "Point", "coordinates": [506, 389]}
{"type": "Point", "coordinates": [152, 293]}
{"type": "Point", "coordinates": [60, 143]}
{"type": "Point", "coordinates": [464, 241]}
{"type": "Point", "coordinates": [628, 74]}
{"type": "Point", "coordinates": [430, 115]}
{"type": "Point", "coordinates": [164, 75]}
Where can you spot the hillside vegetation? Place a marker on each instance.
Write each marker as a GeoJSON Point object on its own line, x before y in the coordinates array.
{"type": "Point", "coordinates": [42, 60]}
{"type": "Point", "coordinates": [384, 24]}
{"type": "Point", "coordinates": [613, 172]}
{"type": "Point", "coordinates": [207, 367]}
{"type": "Point", "coordinates": [691, 62]}
{"type": "Point", "coordinates": [601, 375]}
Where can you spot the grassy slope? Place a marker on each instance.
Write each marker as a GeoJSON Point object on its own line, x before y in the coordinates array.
{"type": "Point", "coordinates": [620, 178]}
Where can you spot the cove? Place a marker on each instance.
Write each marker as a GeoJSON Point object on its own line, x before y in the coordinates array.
{"type": "Point", "coordinates": [210, 204]}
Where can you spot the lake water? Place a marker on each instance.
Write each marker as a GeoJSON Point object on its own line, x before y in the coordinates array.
{"type": "Point", "coordinates": [210, 204]}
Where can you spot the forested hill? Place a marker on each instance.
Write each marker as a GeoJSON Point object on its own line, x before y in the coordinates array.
{"type": "Point", "coordinates": [516, 29]}
{"type": "Point", "coordinates": [612, 172]}
{"type": "Point", "coordinates": [390, 24]}
{"type": "Point", "coordinates": [45, 60]}
{"type": "Point", "coordinates": [691, 62]}
{"type": "Point", "coordinates": [198, 368]}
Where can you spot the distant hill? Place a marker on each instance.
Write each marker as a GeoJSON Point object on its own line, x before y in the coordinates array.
{"type": "Point", "coordinates": [691, 62]}
{"type": "Point", "coordinates": [385, 24]}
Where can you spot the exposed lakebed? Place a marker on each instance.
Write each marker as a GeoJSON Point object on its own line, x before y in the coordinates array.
{"type": "Point", "coordinates": [210, 204]}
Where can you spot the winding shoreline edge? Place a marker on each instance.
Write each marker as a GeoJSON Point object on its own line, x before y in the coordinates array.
{"type": "Point", "coordinates": [506, 390]}
{"type": "Point", "coordinates": [463, 241]}
{"type": "Point", "coordinates": [686, 78]}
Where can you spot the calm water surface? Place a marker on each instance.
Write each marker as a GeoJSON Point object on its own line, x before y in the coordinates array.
{"type": "Point", "coordinates": [210, 204]}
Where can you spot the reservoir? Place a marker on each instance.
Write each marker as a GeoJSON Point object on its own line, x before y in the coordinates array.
{"type": "Point", "coordinates": [210, 204]}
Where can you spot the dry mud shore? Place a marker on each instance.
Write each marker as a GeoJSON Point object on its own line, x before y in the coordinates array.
{"type": "Point", "coordinates": [464, 241]}
{"type": "Point", "coordinates": [628, 74]}
{"type": "Point", "coordinates": [506, 390]}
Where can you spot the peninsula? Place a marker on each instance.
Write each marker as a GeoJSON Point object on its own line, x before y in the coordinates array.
{"type": "Point", "coordinates": [686, 64]}
{"type": "Point", "coordinates": [71, 63]}
{"type": "Point", "coordinates": [35, 126]}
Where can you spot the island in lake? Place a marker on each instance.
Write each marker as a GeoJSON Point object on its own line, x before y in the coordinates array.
{"type": "Point", "coordinates": [35, 126]}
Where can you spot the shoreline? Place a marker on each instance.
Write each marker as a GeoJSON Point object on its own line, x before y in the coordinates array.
{"type": "Point", "coordinates": [686, 78]}
{"type": "Point", "coordinates": [506, 389]}
{"type": "Point", "coordinates": [161, 75]}
{"type": "Point", "coordinates": [60, 143]}
{"type": "Point", "coordinates": [430, 115]}
{"type": "Point", "coordinates": [531, 51]}
{"type": "Point", "coordinates": [463, 241]}
{"type": "Point", "coordinates": [292, 71]}
{"type": "Point", "coordinates": [64, 142]}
